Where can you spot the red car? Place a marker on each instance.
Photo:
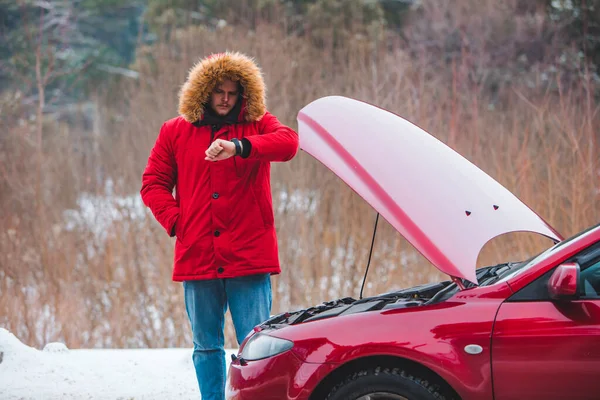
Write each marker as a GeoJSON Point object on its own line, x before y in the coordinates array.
{"type": "Point", "coordinates": [518, 330]}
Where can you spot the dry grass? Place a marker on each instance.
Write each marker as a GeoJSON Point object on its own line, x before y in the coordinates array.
{"type": "Point", "coordinates": [114, 289]}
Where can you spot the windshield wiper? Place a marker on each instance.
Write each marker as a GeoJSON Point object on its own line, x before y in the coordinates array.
{"type": "Point", "coordinates": [485, 275]}
{"type": "Point", "coordinates": [494, 273]}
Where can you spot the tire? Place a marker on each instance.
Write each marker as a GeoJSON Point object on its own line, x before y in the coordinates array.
{"type": "Point", "coordinates": [385, 384]}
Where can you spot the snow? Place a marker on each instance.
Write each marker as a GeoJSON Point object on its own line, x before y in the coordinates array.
{"type": "Point", "coordinates": [297, 200]}
{"type": "Point", "coordinates": [60, 373]}
{"type": "Point", "coordinates": [97, 214]}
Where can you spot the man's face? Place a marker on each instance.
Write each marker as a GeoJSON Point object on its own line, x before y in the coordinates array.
{"type": "Point", "coordinates": [224, 97]}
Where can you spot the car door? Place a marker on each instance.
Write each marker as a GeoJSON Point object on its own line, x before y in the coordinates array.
{"type": "Point", "coordinates": [545, 349]}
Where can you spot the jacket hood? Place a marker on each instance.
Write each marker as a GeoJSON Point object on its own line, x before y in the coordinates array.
{"type": "Point", "coordinates": [439, 201]}
{"type": "Point", "coordinates": [209, 71]}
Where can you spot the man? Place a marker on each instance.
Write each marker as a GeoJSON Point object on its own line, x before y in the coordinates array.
{"type": "Point", "coordinates": [217, 155]}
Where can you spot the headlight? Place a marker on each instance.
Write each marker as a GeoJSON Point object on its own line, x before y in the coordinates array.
{"type": "Point", "coordinates": [262, 346]}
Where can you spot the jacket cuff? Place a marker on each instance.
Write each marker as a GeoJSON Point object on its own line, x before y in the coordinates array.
{"type": "Point", "coordinates": [247, 148]}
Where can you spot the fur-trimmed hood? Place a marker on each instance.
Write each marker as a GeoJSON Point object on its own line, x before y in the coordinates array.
{"type": "Point", "coordinates": [204, 76]}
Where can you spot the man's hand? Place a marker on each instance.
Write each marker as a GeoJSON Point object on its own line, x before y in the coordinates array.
{"type": "Point", "coordinates": [220, 150]}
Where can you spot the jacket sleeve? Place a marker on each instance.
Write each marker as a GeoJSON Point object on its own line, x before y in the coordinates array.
{"type": "Point", "coordinates": [159, 180]}
{"type": "Point", "coordinates": [275, 141]}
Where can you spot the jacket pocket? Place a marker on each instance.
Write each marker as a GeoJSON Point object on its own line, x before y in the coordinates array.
{"type": "Point", "coordinates": [179, 225]}
{"type": "Point", "coordinates": [265, 205]}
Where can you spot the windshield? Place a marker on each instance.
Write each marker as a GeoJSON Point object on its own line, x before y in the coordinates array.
{"type": "Point", "coordinates": [543, 255]}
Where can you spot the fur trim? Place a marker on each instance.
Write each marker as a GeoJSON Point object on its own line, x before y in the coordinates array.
{"type": "Point", "coordinates": [204, 76]}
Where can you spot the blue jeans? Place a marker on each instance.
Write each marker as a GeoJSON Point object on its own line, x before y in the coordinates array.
{"type": "Point", "coordinates": [249, 299]}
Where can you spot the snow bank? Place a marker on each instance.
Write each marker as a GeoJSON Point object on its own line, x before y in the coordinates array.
{"type": "Point", "coordinates": [60, 373]}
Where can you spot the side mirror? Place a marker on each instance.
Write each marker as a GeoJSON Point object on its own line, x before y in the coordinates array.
{"type": "Point", "coordinates": [563, 282]}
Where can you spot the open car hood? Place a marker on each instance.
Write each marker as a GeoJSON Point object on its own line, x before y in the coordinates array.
{"type": "Point", "coordinates": [444, 205]}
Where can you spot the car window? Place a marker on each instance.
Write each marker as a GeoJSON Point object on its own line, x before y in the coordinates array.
{"type": "Point", "coordinates": [535, 291]}
{"type": "Point", "coordinates": [589, 284]}
{"type": "Point", "coordinates": [590, 280]}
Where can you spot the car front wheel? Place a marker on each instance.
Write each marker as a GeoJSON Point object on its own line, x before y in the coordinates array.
{"type": "Point", "coordinates": [385, 384]}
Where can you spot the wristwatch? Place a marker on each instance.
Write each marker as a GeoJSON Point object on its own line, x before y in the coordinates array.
{"type": "Point", "coordinates": [238, 146]}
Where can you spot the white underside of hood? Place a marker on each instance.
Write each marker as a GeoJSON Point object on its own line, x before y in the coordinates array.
{"type": "Point", "coordinates": [444, 205]}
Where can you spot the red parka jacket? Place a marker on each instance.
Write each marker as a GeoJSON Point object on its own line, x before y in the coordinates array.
{"type": "Point", "coordinates": [222, 212]}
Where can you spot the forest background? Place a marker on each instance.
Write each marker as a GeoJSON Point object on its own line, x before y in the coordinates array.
{"type": "Point", "coordinates": [512, 85]}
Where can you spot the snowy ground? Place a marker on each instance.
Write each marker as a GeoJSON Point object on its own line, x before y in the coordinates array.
{"type": "Point", "coordinates": [59, 373]}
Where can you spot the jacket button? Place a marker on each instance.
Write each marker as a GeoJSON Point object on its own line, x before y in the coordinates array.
{"type": "Point", "coordinates": [217, 233]}
{"type": "Point", "coordinates": [215, 195]}
{"type": "Point", "coordinates": [220, 270]}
